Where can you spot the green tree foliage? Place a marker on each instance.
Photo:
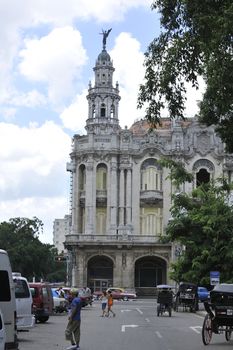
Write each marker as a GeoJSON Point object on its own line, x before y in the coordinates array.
{"type": "Point", "coordinates": [196, 40]}
{"type": "Point", "coordinates": [203, 223]}
{"type": "Point", "coordinates": [28, 255]}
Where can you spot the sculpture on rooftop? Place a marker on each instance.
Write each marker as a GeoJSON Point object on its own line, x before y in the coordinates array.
{"type": "Point", "coordinates": [105, 34]}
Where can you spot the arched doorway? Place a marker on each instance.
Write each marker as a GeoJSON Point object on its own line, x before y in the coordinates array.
{"type": "Point", "coordinates": [150, 271]}
{"type": "Point", "coordinates": [99, 273]}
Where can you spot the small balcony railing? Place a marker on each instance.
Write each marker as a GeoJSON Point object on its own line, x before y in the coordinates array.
{"type": "Point", "coordinates": [151, 196]}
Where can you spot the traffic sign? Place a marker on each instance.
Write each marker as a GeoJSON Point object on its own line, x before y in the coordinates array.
{"type": "Point", "coordinates": [214, 278]}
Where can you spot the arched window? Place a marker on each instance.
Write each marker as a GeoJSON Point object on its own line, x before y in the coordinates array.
{"type": "Point", "coordinates": [151, 175]}
{"type": "Point", "coordinates": [112, 111]}
{"type": "Point", "coordinates": [82, 177]}
{"type": "Point", "coordinates": [203, 169]}
{"type": "Point", "coordinates": [103, 110]}
{"type": "Point", "coordinates": [101, 177]}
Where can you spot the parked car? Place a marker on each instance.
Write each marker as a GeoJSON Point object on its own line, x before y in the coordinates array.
{"type": "Point", "coordinates": [122, 294]}
{"type": "Point", "coordinates": [60, 304]}
{"type": "Point", "coordinates": [117, 293]}
{"type": "Point", "coordinates": [83, 293]}
{"type": "Point", "coordinates": [42, 300]}
{"type": "Point", "coordinates": [25, 317]}
{"type": "Point", "coordinates": [203, 294]}
{"type": "Point", "coordinates": [2, 333]}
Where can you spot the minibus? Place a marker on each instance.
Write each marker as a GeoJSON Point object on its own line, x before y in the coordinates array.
{"type": "Point", "coordinates": [7, 301]}
{"type": "Point", "coordinates": [24, 310]}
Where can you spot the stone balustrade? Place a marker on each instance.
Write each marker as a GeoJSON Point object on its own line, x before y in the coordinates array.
{"type": "Point", "coordinates": [87, 238]}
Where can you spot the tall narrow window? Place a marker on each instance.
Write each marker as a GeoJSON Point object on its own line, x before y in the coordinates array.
{"type": "Point", "coordinates": [101, 177]}
{"type": "Point", "coordinates": [82, 177]}
{"type": "Point", "coordinates": [112, 111]}
{"type": "Point", "coordinates": [93, 111]}
{"type": "Point", "coordinates": [103, 110]}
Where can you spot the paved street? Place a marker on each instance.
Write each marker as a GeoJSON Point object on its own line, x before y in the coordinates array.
{"type": "Point", "coordinates": [135, 327]}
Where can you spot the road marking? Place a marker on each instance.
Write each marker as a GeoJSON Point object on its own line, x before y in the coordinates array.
{"type": "Point", "coordinates": [199, 316]}
{"type": "Point", "coordinates": [147, 320]}
{"type": "Point", "coordinates": [140, 311]}
{"type": "Point", "coordinates": [158, 334]}
{"type": "Point", "coordinates": [196, 329]}
{"type": "Point", "coordinates": [125, 310]}
{"type": "Point", "coordinates": [124, 326]}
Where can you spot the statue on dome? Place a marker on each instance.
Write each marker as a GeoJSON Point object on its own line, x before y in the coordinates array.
{"type": "Point", "coordinates": [105, 34]}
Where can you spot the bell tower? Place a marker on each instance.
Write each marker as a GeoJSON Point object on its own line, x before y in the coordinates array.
{"type": "Point", "coordinates": [103, 98]}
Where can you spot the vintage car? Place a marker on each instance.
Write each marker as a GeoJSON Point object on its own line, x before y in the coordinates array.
{"type": "Point", "coordinates": [118, 293]}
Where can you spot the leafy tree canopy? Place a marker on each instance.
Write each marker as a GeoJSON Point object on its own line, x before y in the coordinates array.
{"type": "Point", "coordinates": [28, 255]}
{"type": "Point", "coordinates": [196, 40]}
{"type": "Point", "coordinates": [203, 224]}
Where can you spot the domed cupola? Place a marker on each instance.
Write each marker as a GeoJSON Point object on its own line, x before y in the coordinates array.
{"type": "Point", "coordinates": [103, 57]}
{"type": "Point", "coordinates": [103, 98]}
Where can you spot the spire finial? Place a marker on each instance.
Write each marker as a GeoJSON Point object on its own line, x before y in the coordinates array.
{"type": "Point", "coordinates": [105, 34]}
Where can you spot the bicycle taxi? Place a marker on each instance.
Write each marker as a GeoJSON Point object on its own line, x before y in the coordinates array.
{"type": "Point", "coordinates": [187, 297]}
{"type": "Point", "coordinates": [164, 299]}
{"type": "Point", "coordinates": [219, 317]}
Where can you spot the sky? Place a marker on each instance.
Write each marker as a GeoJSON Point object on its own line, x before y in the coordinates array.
{"type": "Point", "coordinates": [47, 54]}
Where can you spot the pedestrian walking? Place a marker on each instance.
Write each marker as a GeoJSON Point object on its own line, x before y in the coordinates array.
{"type": "Point", "coordinates": [110, 304]}
{"type": "Point", "coordinates": [72, 332]}
{"type": "Point", "coordinates": [104, 301]}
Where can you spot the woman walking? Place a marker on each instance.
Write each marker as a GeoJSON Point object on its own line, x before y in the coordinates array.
{"type": "Point", "coordinates": [104, 301]}
{"type": "Point", "coordinates": [110, 304]}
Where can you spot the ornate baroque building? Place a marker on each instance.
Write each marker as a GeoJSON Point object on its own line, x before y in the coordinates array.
{"type": "Point", "coordinates": [120, 194]}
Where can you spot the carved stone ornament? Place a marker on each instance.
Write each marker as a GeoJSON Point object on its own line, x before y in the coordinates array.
{"type": "Point", "coordinates": [203, 163]}
{"type": "Point", "coordinates": [203, 143]}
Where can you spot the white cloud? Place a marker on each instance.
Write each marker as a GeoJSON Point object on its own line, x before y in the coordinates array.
{"type": "Point", "coordinates": [32, 162]}
{"type": "Point", "coordinates": [193, 97]}
{"type": "Point", "coordinates": [16, 16]}
{"type": "Point", "coordinates": [74, 116]}
{"type": "Point", "coordinates": [44, 208]}
{"type": "Point", "coordinates": [32, 98]}
{"type": "Point", "coordinates": [129, 73]}
{"type": "Point", "coordinates": [55, 59]}
{"type": "Point", "coordinates": [33, 179]}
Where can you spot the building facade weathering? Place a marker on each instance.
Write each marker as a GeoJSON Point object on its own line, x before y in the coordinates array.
{"type": "Point", "coordinates": [121, 196]}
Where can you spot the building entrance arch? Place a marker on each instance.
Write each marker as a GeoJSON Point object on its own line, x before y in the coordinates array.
{"type": "Point", "coordinates": [99, 273]}
{"type": "Point", "coordinates": [150, 271]}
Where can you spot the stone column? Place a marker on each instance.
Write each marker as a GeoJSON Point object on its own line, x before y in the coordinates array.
{"type": "Point", "coordinates": [74, 272]}
{"type": "Point", "coordinates": [128, 269]}
{"type": "Point", "coordinates": [117, 270]}
{"type": "Point", "coordinates": [129, 197]}
{"type": "Point", "coordinates": [136, 186]}
{"type": "Point", "coordinates": [113, 198]}
{"type": "Point", "coordinates": [121, 197]}
{"type": "Point", "coordinates": [90, 199]}
{"type": "Point", "coordinates": [74, 200]}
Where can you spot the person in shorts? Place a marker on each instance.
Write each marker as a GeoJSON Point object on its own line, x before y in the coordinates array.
{"type": "Point", "coordinates": [104, 301]}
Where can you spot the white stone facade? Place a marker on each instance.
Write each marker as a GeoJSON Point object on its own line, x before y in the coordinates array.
{"type": "Point", "coordinates": [121, 196]}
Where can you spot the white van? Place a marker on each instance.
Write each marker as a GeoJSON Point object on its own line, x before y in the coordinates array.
{"type": "Point", "coordinates": [25, 318]}
{"type": "Point", "coordinates": [7, 301]}
{"type": "Point", "coordinates": [2, 332]}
